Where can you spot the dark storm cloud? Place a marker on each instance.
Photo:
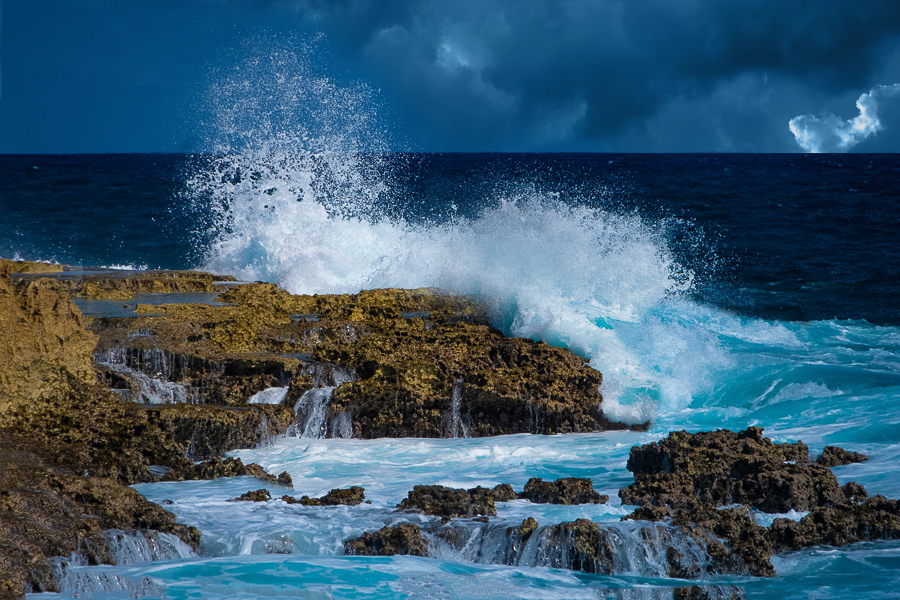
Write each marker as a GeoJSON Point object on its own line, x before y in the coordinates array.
{"type": "Point", "coordinates": [600, 74]}
{"type": "Point", "coordinates": [617, 75]}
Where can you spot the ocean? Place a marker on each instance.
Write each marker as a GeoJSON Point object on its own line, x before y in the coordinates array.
{"type": "Point", "coordinates": [711, 290]}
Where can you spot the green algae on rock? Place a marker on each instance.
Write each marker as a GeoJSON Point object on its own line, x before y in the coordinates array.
{"type": "Point", "coordinates": [69, 447]}
{"type": "Point", "coordinates": [419, 362]}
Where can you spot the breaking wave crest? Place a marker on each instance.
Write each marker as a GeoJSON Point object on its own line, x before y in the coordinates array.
{"type": "Point", "coordinates": [309, 198]}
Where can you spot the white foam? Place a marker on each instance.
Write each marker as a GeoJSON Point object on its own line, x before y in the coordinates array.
{"type": "Point", "coordinates": [273, 395]}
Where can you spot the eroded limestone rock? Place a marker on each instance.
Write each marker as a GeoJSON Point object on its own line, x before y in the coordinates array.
{"type": "Point", "coordinates": [566, 490]}
{"type": "Point", "coordinates": [404, 539]}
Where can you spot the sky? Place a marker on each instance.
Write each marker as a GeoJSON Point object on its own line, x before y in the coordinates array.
{"type": "Point", "coordinates": [451, 76]}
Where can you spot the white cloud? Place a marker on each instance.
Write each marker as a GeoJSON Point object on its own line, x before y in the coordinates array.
{"type": "Point", "coordinates": [833, 134]}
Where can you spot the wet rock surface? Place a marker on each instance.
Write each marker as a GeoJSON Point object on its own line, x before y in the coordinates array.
{"type": "Point", "coordinates": [694, 518]}
{"type": "Point", "coordinates": [833, 456]}
{"type": "Point", "coordinates": [686, 478]}
{"type": "Point", "coordinates": [567, 490]}
{"type": "Point", "coordinates": [416, 362]}
{"type": "Point", "coordinates": [450, 503]}
{"type": "Point", "coordinates": [228, 467]}
{"type": "Point", "coordinates": [724, 467]}
{"type": "Point", "coordinates": [261, 495]}
{"type": "Point", "coordinates": [351, 496]}
{"type": "Point", "coordinates": [69, 447]}
{"type": "Point", "coordinates": [403, 539]}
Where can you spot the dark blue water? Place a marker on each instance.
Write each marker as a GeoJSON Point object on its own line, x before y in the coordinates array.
{"type": "Point", "coordinates": [798, 237]}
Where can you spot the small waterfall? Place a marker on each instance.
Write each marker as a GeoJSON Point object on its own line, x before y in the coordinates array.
{"type": "Point", "coordinates": [126, 548]}
{"type": "Point", "coordinates": [458, 429]}
{"type": "Point", "coordinates": [633, 548]}
{"type": "Point", "coordinates": [274, 395]}
{"type": "Point", "coordinates": [342, 426]}
{"type": "Point", "coordinates": [312, 412]}
{"type": "Point", "coordinates": [134, 547]}
{"type": "Point", "coordinates": [80, 582]}
{"type": "Point", "coordinates": [149, 389]}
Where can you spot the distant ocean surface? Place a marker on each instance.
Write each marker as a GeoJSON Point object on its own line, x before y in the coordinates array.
{"type": "Point", "coordinates": [711, 290]}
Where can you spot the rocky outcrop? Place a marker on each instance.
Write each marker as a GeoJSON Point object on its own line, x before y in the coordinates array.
{"type": "Point", "coordinates": [723, 467]}
{"type": "Point", "coordinates": [351, 496]}
{"type": "Point", "coordinates": [566, 490]}
{"type": "Point", "coordinates": [48, 511]}
{"type": "Point", "coordinates": [8, 267]}
{"type": "Point", "coordinates": [229, 467]}
{"type": "Point", "coordinates": [686, 478]}
{"type": "Point", "coordinates": [261, 495]}
{"type": "Point", "coordinates": [83, 390]}
{"type": "Point", "coordinates": [69, 447]}
{"type": "Point", "coordinates": [877, 518]}
{"type": "Point", "coordinates": [103, 284]}
{"type": "Point", "coordinates": [43, 346]}
{"type": "Point", "coordinates": [417, 362]}
{"type": "Point", "coordinates": [450, 503]}
{"type": "Point", "coordinates": [404, 539]}
{"type": "Point", "coordinates": [832, 456]}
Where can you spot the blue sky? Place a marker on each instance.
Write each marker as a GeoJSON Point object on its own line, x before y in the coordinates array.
{"type": "Point", "coordinates": [479, 75]}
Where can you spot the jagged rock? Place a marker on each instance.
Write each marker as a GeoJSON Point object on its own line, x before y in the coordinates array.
{"type": "Point", "coordinates": [683, 478]}
{"type": "Point", "coordinates": [261, 495]}
{"type": "Point", "coordinates": [832, 456]}
{"type": "Point", "coordinates": [388, 541]}
{"type": "Point", "coordinates": [499, 493]}
{"type": "Point", "coordinates": [528, 526]}
{"type": "Point", "coordinates": [724, 467]}
{"type": "Point", "coordinates": [284, 479]}
{"type": "Point", "coordinates": [407, 367]}
{"type": "Point", "coordinates": [43, 347]}
{"type": "Point", "coordinates": [448, 503]}
{"type": "Point", "coordinates": [877, 518]}
{"type": "Point", "coordinates": [351, 496]}
{"type": "Point", "coordinates": [48, 511]}
{"type": "Point", "coordinates": [566, 490]}
{"type": "Point", "coordinates": [204, 431]}
{"type": "Point", "coordinates": [217, 467]}
{"type": "Point", "coordinates": [8, 267]}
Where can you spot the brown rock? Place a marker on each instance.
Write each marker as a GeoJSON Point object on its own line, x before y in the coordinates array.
{"type": "Point", "coordinates": [724, 467]}
{"type": "Point", "coordinates": [217, 467]}
{"type": "Point", "coordinates": [261, 495]}
{"type": "Point", "coordinates": [832, 456]}
{"type": "Point", "coordinates": [448, 503]}
{"type": "Point", "coordinates": [566, 490]}
{"type": "Point", "coordinates": [528, 527]}
{"type": "Point", "coordinates": [351, 496]}
{"type": "Point", "coordinates": [388, 541]}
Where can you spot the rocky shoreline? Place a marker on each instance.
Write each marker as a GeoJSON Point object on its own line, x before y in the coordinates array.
{"type": "Point", "coordinates": [110, 378]}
